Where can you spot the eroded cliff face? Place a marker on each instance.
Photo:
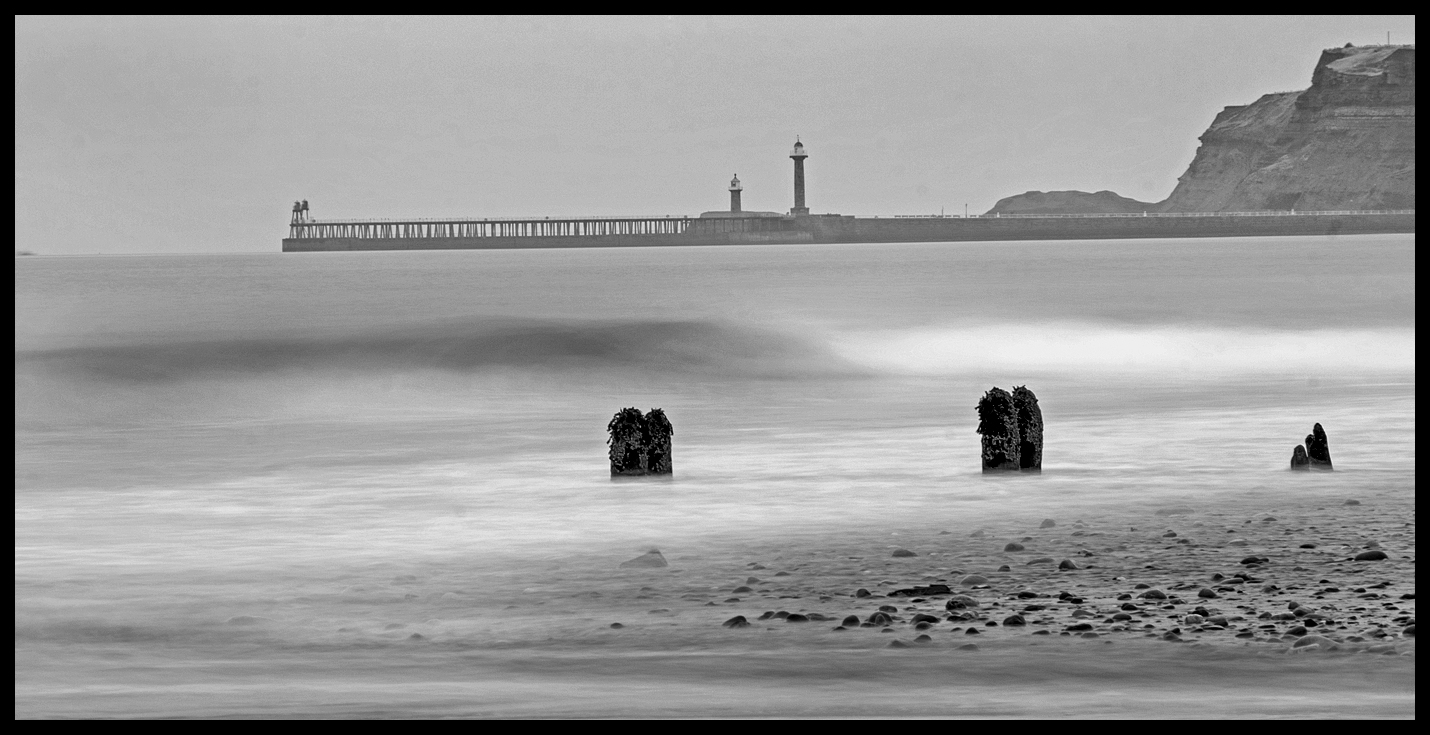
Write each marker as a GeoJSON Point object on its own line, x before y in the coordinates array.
{"type": "Point", "coordinates": [1348, 142]}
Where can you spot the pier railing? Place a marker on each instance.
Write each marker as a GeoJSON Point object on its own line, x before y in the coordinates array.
{"type": "Point", "coordinates": [425, 228]}
{"type": "Point", "coordinates": [377, 229]}
{"type": "Point", "coordinates": [1267, 213]}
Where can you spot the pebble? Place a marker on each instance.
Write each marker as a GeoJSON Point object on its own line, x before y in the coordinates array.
{"type": "Point", "coordinates": [960, 602]}
{"type": "Point", "coordinates": [1169, 534]}
{"type": "Point", "coordinates": [618, 626]}
{"type": "Point", "coordinates": [1013, 546]}
{"type": "Point", "coordinates": [797, 618]}
{"type": "Point", "coordinates": [896, 643]}
{"type": "Point", "coordinates": [1375, 555]}
{"type": "Point", "coordinates": [1315, 640]}
{"type": "Point", "coordinates": [933, 589]}
{"type": "Point", "coordinates": [1015, 620]}
{"type": "Point", "coordinates": [904, 552]}
{"type": "Point", "coordinates": [1005, 568]}
{"type": "Point", "coordinates": [752, 580]}
{"type": "Point", "coordinates": [738, 621]}
{"type": "Point", "coordinates": [247, 620]}
{"type": "Point", "coordinates": [1067, 564]}
{"type": "Point", "coordinates": [781, 574]}
{"type": "Point", "coordinates": [650, 559]}
{"type": "Point", "coordinates": [1048, 523]}
{"type": "Point", "coordinates": [968, 647]}
{"type": "Point", "coordinates": [1154, 594]}
{"type": "Point", "coordinates": [850, 620]}
{"type": "Point", "coordinates": [973, 579]}
{"type": "Point", "coordinates": [971, 631]}
{"type": "Point", "coordinates": [923, 639]}
{"type": "Point", "coordinates": [861, 592]}
{"type": "Point", "coordinates": [1207, 593]}
{"type": "Point", "coordinates": [741, 589]}
{"type": "Point", "coordinates": [1351, 502]}
{"type": "Point", "coordinates": [1042, 560]}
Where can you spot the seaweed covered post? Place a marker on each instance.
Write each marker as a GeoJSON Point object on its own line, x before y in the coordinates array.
{"type": "Point", "coordinates": [998, 423]}
{"type": "Point", "coordinates": [657, 445]}
{"type": "Point", "coordinates": [627, 442]}
{"type": "Point", "coordinates": [1317, 449]}
{"type": "Point", "coordinates": [1299, 460]}
{"type": "Point", "coordinates": [1030, 429]}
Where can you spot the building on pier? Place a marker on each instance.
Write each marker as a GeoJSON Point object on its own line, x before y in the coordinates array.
{"type": "Point", "coordinates": [798, 155]}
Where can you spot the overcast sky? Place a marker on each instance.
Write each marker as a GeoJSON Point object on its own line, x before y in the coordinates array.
{"type": "Point", "coordinates": [196, 134]}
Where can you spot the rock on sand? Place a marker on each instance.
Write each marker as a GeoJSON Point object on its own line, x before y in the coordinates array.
{"type": "Point", "coordinates": [649, 559]}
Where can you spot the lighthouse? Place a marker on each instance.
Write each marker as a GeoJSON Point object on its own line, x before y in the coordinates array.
{"type": "Point", "coordinates": [735, 188]}
{"type": "Point", "coordinates": [798, 155]}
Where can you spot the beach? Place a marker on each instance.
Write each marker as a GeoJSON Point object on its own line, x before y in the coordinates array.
{"type": "Point", "coordinates": [377, 484]}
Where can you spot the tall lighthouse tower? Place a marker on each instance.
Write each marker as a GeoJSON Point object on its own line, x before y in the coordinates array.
{"type": "Point", "coordinates": [798, 155]}
{"type": "Point", "coordinates": [735, 188]}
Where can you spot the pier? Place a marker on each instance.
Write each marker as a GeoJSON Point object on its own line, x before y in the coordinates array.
{"type": "Point", "coordinates": [368, 229]}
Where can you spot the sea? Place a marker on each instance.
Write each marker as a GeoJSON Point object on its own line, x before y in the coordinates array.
{"type": "Point", "coordinates": [376, 484]}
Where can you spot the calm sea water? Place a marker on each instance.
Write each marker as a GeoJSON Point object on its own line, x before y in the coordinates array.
{"type": "Point", "coordinates": [243, 482]}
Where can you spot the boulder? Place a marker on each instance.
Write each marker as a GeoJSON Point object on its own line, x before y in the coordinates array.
{"type": "Point", "coordinates": [1299, 460]}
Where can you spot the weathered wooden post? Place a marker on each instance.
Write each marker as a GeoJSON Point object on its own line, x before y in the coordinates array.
{"type": "Point", "coordinates": [658, 432]}
{"type": "Point", "coordinates": [998, 423]}
{"type": "Point", "coordinates": [1316, 455]}
{"type": "Point", "coordinates": [627, 442]}
{"type": "Point", "coordinates": [1318, 449]}
{"type": "Point", "coordinates": [1030, 430]}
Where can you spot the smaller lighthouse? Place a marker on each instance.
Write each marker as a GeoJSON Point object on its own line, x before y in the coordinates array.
{"type": "Point", "coordinates": [735, 188]}
{"type": "Point", "coordinates": [798, 155]}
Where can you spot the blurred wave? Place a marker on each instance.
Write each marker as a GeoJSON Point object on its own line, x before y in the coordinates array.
{"type": "Point", "coordinates": [685, 347]}
{"type": "Point", "coordinates": [1072, 348]}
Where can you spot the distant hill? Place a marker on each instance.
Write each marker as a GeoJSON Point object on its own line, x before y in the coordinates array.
{"type": "Point", "coordinates": [1347, 142]}
{"type": "Point", "coordinates": [1070, 202]}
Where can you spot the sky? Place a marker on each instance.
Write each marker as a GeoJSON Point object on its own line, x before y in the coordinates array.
{"type": "Point", "coordinates": [195, 135]}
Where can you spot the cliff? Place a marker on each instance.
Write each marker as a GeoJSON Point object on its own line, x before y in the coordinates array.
{"type": "Point", "coordinates": [1070, 202]}
{"type": "Point", "coordinates": [1348, 142]}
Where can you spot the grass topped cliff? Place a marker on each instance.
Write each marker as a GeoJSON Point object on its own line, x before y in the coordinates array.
{"type": "Point", "coordinates": [1347, 142]}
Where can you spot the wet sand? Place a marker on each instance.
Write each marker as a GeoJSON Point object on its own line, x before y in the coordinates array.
{"type": "Point", "coordinates": [1304, 631]}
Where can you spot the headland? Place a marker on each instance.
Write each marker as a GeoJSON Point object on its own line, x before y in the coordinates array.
{"type": "Point", "coordinates": [1335, 159]}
